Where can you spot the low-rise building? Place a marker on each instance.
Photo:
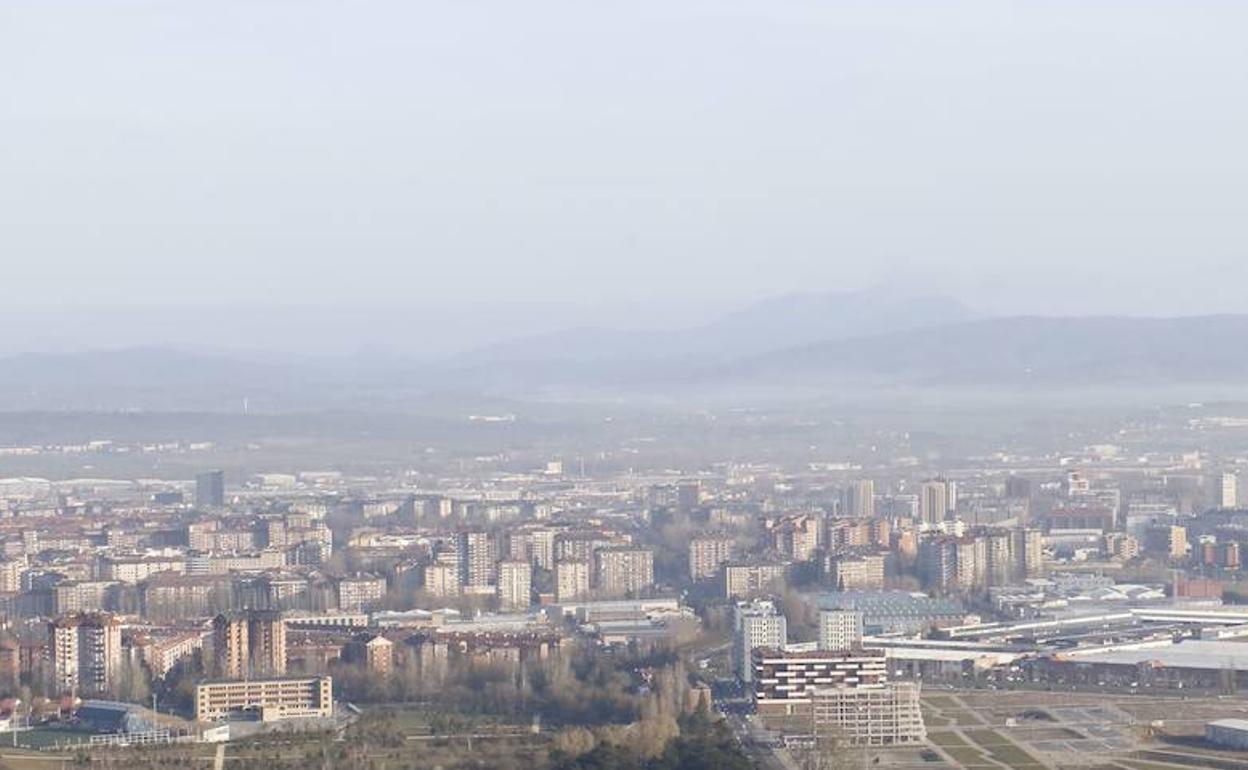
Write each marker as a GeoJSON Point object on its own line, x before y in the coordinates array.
{"type": "Point", "coordinates": [271, 699]}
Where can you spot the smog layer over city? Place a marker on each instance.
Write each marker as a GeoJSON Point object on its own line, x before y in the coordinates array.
{"type": "Point", "coordinates": [681, 385]}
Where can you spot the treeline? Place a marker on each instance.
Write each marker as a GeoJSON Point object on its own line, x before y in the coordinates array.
{"type": "Point", "coordinates": [578, 685]}
{"type": "Point", "coordinates": [701, 744]}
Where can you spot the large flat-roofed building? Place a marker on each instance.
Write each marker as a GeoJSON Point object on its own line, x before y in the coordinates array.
{"type": "Point", "coordinates": [883, 715]}
{"type": "Point", "coordinates": [271, 699]}
{"type": "Point", "coordinates": [1231, 733]}
{"type": "Point", "coordinates": [784, 682]}
{"type": "Point", "coordinates": [887, 612]}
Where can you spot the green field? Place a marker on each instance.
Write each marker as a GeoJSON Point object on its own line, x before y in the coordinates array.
{"type": "Point", "coordinates": [1004, 750]}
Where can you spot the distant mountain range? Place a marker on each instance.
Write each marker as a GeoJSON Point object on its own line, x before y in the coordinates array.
{"type": "Point", "coordinates": [1025, 351]}
{"type": "Point", "coordinates": [788, 321]}
{"type": "Point", "coordinates": [851, 341]}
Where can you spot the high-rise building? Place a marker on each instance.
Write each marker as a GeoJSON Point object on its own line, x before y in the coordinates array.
{"type": "Point", "coordinates": [1077, 484]}
{"type": "Point", "coordinates": [210, 489]}
{"type": "Point", "coordinates": [624, 570]}
{"type": "Point", "coordinates": [1167, 540]}
{"type": "Point", "coordinates": [796, 536]}
{"type": "Point", "coordinates": [755, 624]}
{"type": "Point", "coordinates": [1228, 491]}
{"type": "Point", "coordinates": [972, 562]}
{"type": "Point", "coordinates": [571, 580]}
{"type": "Point", "coordinates": [937, 565]}
{"type": "Point", "coordinates": [707, 555]}
{"type": "Point", "coordinates": [849, 573]}
{"type": "Point", "coordinates": [743, 581]}
{"type": "Point", "coordinates": [360, 591]}
{"type": "Point", "coordinates": [1028, 549]}
{"type": "Point", "coordinates": [999, 552]}
{"type": "Point", "coordinates": [1018, 488]}
{"type": "Point", "coordinates": [478, 554]}
{"type": "Point", "coordinates": [442, 580]}
{"type": "Point", "coordinates": [860, 499]}
{"type": "Point", "coordinates": [933, 502]}
{"type": "Point", "coordinates": [515, 584]}
{"type": "Point", "coordinates": [542, 543]}
{"type": "Point", "coordinates": [1121, 546]}
{"type": "Point", "coordinates": [86, 653]}
{"type": "Point", "coordinates": [374, 651]}
{"type": "Point", "coordinates": [249, 643]}
{"type": "Point", "coordinates": [840, 629]}
{"type": "Point", "coordinates": [688, 495]}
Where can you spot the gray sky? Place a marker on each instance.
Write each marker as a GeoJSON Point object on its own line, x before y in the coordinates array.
{"type": "Point", "coordinates": [1051, 157]}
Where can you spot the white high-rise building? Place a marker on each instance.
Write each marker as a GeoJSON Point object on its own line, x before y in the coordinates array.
{"type": "Point", "coordinates": [1228, 496]}
{"type": "Point", "coordinates": [571, 580]}
{"type": "Point", "coordinates": [840, 629]}
{"type": "Point", "coordinates": [515, 584]}
{"type": "Point", "coordinates": [860, 499]}
{"type": "Point", "coordinates": [707, 556]}
{"type": "Point", "coordinates": [755, 624]}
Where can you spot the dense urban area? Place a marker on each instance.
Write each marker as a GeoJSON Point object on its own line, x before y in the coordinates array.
{"type": "Point", "coordinates": [1056, 591]}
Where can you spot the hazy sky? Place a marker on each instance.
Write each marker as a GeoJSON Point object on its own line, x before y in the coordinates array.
{"type": "Point", "coordinates": [1050, 156]}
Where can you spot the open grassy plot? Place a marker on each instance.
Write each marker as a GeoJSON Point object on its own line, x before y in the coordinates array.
{"type": "Point", "coordinates": [962, 752]}
{"type": "Point", "coordinates": [1004, 750]}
